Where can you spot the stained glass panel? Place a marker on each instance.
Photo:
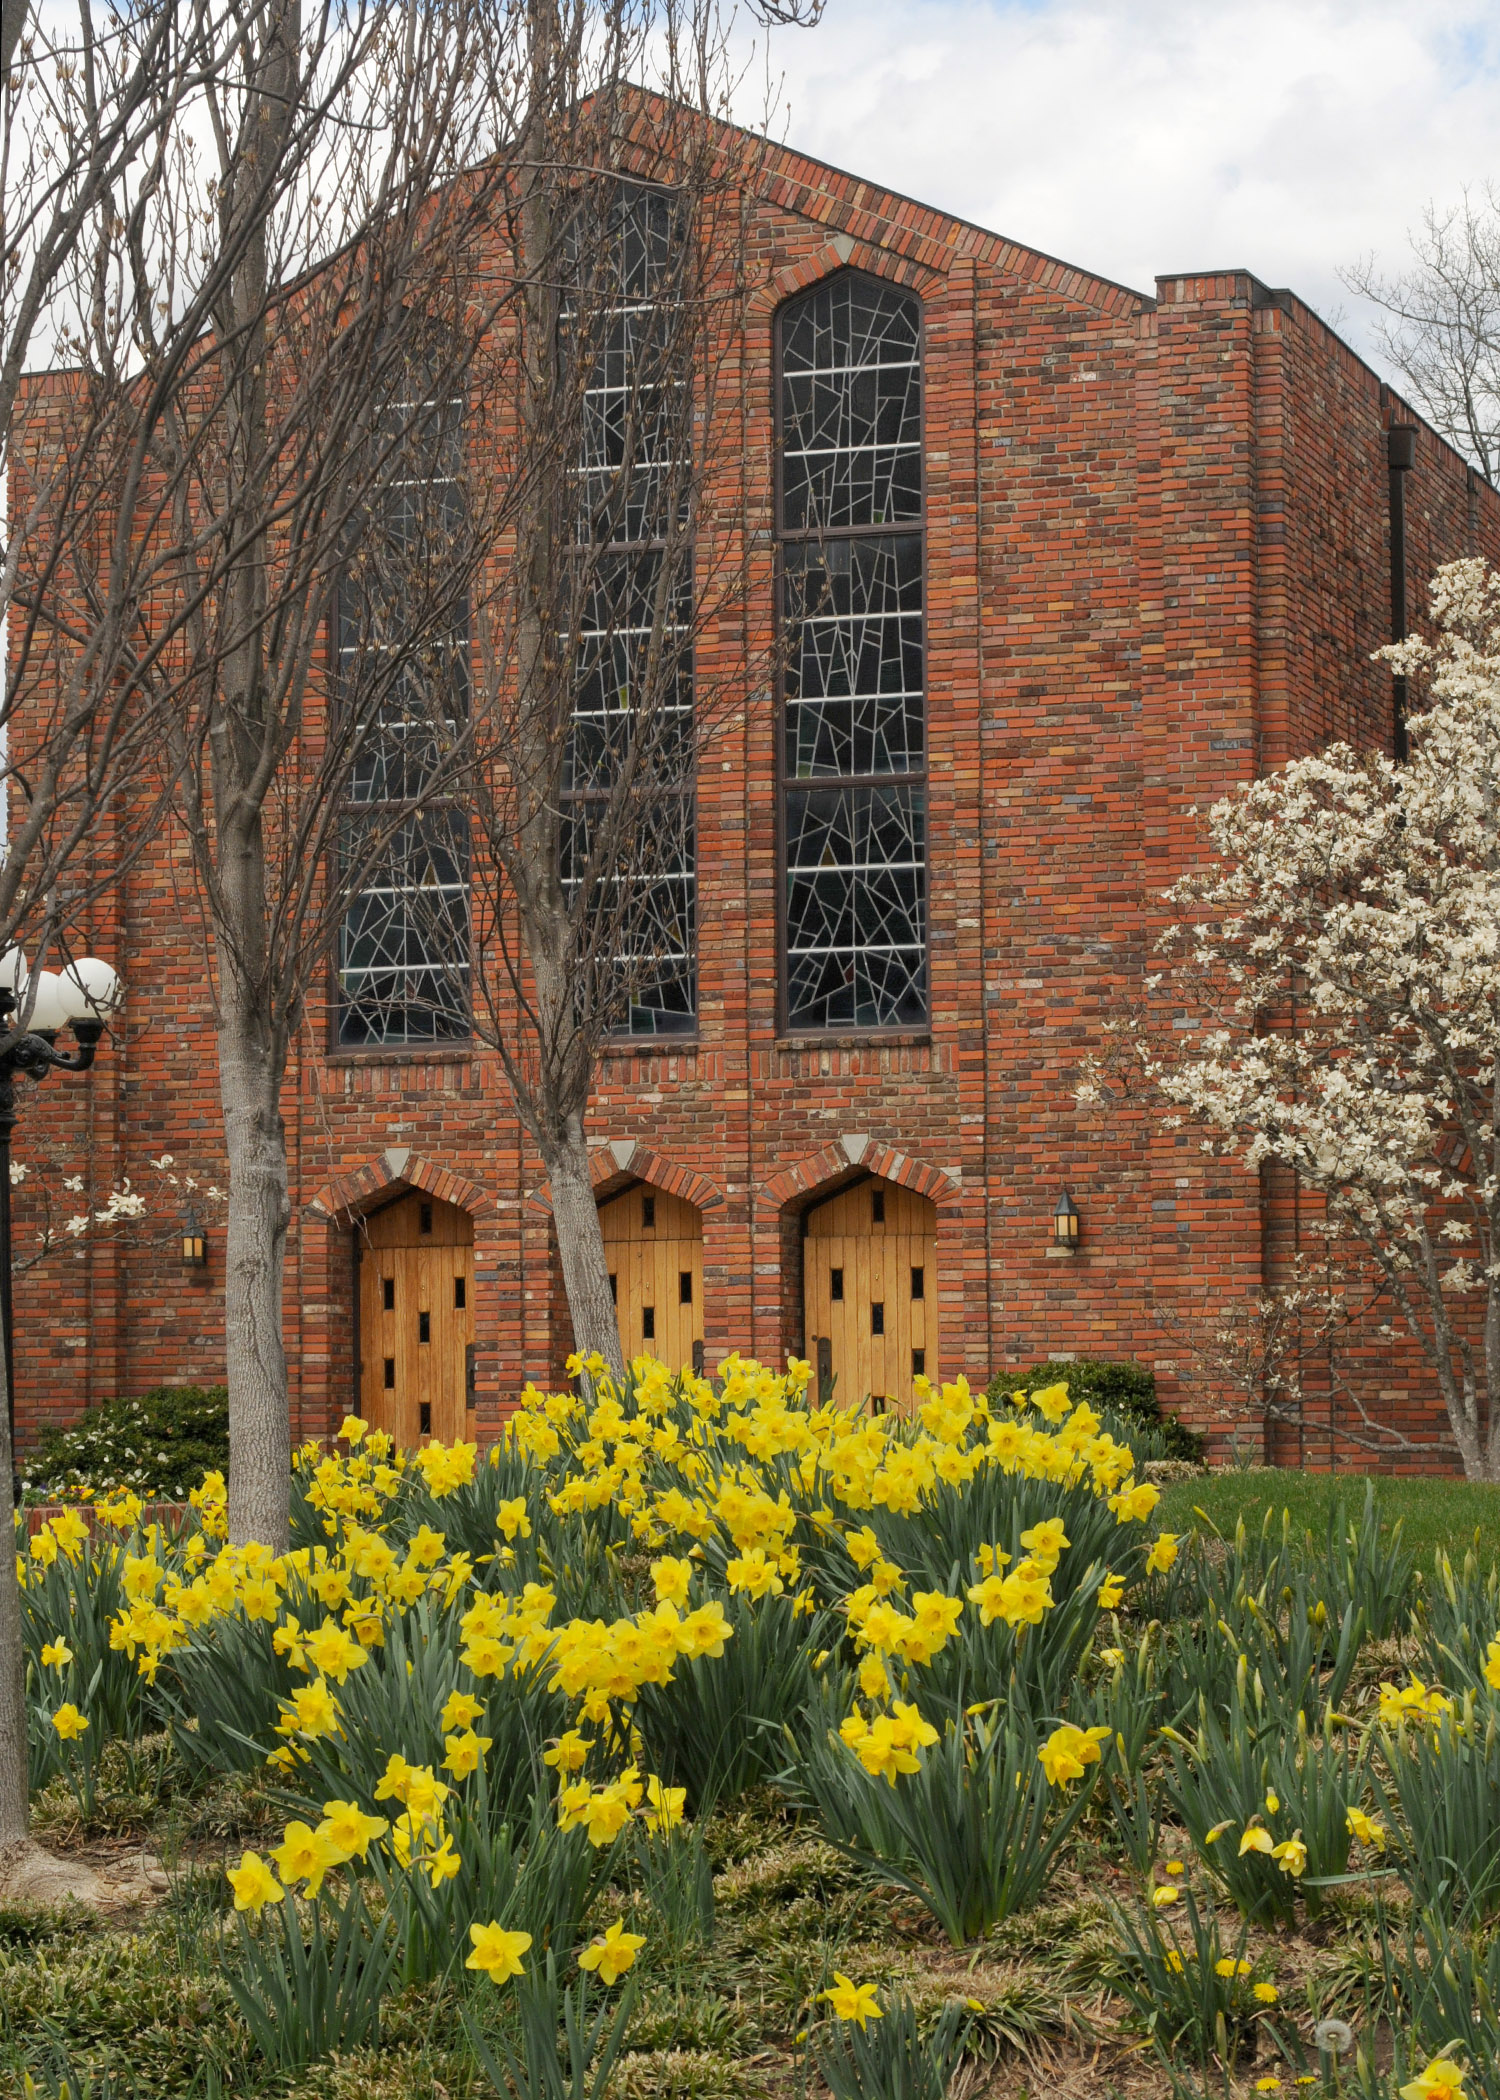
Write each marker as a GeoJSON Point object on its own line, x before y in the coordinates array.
{"type": "Point", "coordinates": [403, 958]}
{"type": "Point", "coordinates": [854, 678]}
{"type": "Point", "coordinates": [854, 696]}
{"type": "Point", "coordinates": [635, 630]}
{"type": "Point", "coordinates": [635, 406]}
{"type": "Point", "coordinates": [645, 934]}
{"type": "Point", "coordinates": [856, 936]}
{"type": "Point", "coordinates": [632, 635]}
{"type": "Point", "coordinates": [404, 944]}
{"type": "Point", "coordinates": [851, 407]}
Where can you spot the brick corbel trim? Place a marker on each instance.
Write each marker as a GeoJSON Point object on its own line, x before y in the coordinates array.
{"type": "Point", "coordinates": [624, 1161]}
{"type": "Point", "coordinates": [835, 1162]}
{"type": "Point", "coordinates": [390, 1174]}
{"type": "Point", "coordinates": [843, 252]}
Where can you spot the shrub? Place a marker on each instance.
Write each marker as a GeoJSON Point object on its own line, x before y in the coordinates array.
{"type": "Point", "coordinates": [160, 1445]}
{"type": "Point", "coordinates": [1125, 1391]}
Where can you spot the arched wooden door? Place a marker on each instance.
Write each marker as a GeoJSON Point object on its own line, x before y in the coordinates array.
{"type": "Point", "coordinates": [869, 1283]}
{"type": "Point", "coordinates": [416, 1319]}
{"type": "Point", "coordinates": [654, 1246]}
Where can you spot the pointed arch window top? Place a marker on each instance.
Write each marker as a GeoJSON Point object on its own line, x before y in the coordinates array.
{"type": "Point", "coordinates": [851, 407]}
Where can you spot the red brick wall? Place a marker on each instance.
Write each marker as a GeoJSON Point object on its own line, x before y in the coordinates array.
{"type": "Point", "coordinates": [1157, 548]}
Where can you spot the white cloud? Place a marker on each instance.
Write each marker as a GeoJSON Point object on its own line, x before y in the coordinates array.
{"type": "Point", "coordinates": [1284, 136]}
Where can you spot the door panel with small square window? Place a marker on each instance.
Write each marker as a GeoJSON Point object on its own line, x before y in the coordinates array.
{"type": "Point", "coordinates": [653, 1244]}
{"type": "Point", "coordinates": [416, 1319]}
{"type": "Point", "coordinates": [869, 1280]}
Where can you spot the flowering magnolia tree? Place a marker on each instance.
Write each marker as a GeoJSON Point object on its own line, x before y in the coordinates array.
{"type": "Point", "coordinates": [1333, 1003]}
{"type": "Point", "coordinates": [50, 1194]}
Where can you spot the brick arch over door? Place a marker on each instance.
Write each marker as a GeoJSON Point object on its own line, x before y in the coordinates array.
{"type": "Point", "coordinates": [801, 1183]}
{"type": "Point", "coordinates": [392, 1173]}
{"type": "Point", "coordinates": [613, 1167]}
{"type": "Point", "coordinates": [818, 1174]}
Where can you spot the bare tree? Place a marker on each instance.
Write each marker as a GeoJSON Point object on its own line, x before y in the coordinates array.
{"type": "Point", "coordinates": [84, 109]}
{"type": "Point", "coordinates": [611, 408]}
{"type": "Point", "coordinates": [298, 369]}
{"type": "Point", "coordinates": [1440, 322]}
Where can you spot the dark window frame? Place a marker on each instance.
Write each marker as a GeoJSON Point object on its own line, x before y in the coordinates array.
{"type": "Point", "coordinates": [787, 783]}
{"type": "Point", "coordinates": [459, 1042]}
{"type": "Point", "coordinates": [685, 795]}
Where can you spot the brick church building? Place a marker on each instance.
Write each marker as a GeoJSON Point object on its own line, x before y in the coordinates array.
{"type": "Point", "coordinates": [1108, 555]}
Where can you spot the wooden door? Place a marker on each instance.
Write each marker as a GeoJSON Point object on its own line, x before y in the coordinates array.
{"type": "Point", "coordinates": [654, 1245]}
{"type": "Point", "coordinates": [416, 1319]}
{"type": "Point", "coordinates": [869, 1282]}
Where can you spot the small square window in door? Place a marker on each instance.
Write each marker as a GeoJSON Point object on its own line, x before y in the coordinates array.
{"type": "Point", "coordinates": [424, 1327]}
{"type": "Point", "coordinates": [648, 1323]}
{"type": "Point", "coordinates": [836, 1285]}
{"type": "Point", "coordinates": [460, 1293]}
{"type": "Point", "coordinates": [877, 1317]}
{"type": "Point", "coordinates": [388, 1293]}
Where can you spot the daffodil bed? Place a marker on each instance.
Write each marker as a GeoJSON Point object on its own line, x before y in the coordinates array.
{"type": "Point", "coordinates": [698, 1740]}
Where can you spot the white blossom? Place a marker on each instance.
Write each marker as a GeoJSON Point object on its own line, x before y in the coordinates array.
{"type": "Point", "coordinates": [121, 1204]}
{"type": "Point", "coordinates": [1341, 966]}
{"type": "Point", "coordinates": [18, 1173]}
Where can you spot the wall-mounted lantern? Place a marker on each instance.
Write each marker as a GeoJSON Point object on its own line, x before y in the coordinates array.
{"type": "Point", "coordinates": [194, 1243]}
{"type": "Point", "coordinates": [1065, 1225]}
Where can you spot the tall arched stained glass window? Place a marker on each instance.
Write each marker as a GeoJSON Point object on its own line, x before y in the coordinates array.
{"type": "Point", "coordinates": [853, 730]}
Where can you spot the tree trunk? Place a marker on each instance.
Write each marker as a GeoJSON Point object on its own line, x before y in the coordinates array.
{"type": "Point", "coordinates": [260, 1436]}
{"type": "Point", "coordinates": [580, 1243]}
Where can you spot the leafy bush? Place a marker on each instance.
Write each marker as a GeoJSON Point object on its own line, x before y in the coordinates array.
{"type": "Point", "coordinates": [1126, 1391]}
{"type": "Point", "coordinates": [160, 1445]}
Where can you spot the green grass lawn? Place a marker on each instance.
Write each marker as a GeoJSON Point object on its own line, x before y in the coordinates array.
{"type": "Point", "coordinates": [1453, 1514]}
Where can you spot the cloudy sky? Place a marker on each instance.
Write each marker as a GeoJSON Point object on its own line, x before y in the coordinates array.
{"type": "Point", "coordinates": [1141, 136]}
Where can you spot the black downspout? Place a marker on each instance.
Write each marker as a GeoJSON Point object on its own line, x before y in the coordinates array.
{"type": "Point", "coordinates": [1400, 452]}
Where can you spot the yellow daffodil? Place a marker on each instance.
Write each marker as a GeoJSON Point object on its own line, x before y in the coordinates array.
{"type": "Point", "coordinates": [855, 2002]}
{"type": "Point", "coordinates": [348, 1829]}
{"type": "Point", "coordinates": [1442, 2080]}
{"type": "Point", "coordinates": [1364, 1829]}
{"type": "Point", "coordinates": [612, 1955]}
{"type": "Point", "coordinates": [460, 1710]}
{"type": "Point", "coordinates": [254, 1884]}
{"type": "Point", "coordinates": [497, 1952]}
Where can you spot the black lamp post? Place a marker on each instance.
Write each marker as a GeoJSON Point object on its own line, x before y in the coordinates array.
{"type": "Point", "coordinates": [81, 998]}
